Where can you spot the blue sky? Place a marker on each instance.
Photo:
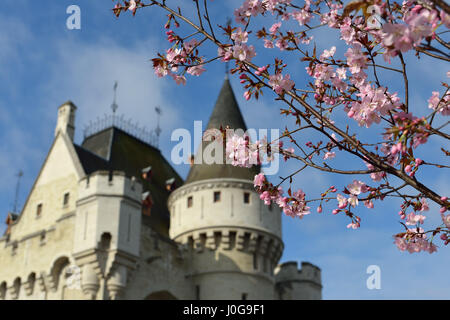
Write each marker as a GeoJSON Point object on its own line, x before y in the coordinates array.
{"type": "Point", "coordinates": [43, 64]}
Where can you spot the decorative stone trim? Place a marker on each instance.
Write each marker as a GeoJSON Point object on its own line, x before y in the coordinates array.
{"type": "Point", "coordinates": [264, 244]}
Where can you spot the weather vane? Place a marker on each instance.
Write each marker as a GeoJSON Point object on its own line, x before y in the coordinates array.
{"type": "Point", "coordinates": [114, 105]}
{"type": "Point", "coordinates": [19, 175]}
{"type": "Point", "coordinates": [227, 64]}
{"type": "Point", "coordinates": [158, 128]}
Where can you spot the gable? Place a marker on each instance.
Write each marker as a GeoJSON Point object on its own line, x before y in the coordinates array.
{"type": "Point", "coordinates": [59, 175]}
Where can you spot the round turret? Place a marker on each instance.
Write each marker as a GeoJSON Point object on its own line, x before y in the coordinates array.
{"type": "Point", "coordinates": [233, 239]}
{"type": "Point", "coordinates": [295, 284]}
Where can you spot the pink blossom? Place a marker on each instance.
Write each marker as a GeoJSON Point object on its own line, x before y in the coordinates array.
{"type": "Point", "coordinates": [179, 79]}
{"type": "Point", "coordinates": [274, 28]}
{"type": "Point", "coordinates": [412, 219]}
{"type": "Point", "coordinates": [442, 107]}
{"type": "Point", "coordinates": [301, 16]}
{"type": "Point", "coordinates": [261, 70]}
{"type": "Point", "coordinates": [424, 203]}
{"type": "Point", "coordinates": [240, 36]}
{"type": "Point", "coordinates": [368, 204]}
{"type": "Point", "coordinates": [243, 52]}
{"type": "Point", "coordinates": [225, 53]}
{"type": "Point", "coordinates": [341, 73]}
{"type": "Point", "coordinates": [374, 104]}
{"type": "Point", "coordinates": [328, 53]}
{"type": "Point", "coordinates": [357, 187]}
{"type": "Point", "coordinates": [342, 201]}
{"type": "Point", "coordinates": [297, 206]}
{"type": "Point", "coordinates": [237, 151]}
{"type": "Point", "coordinates": [191, 44]}
{"type": "Point", "coordinates": [356, 60]}
{"type": "Point", "coordinates": [268, 44]}
{"type": "Point", "coordinates": [353, 225]}
{"type": "Point", "coordinates": [353, 200]}
{"type": "Point", "coordinates": [329, 155]}
{"type": "Point", "coordinates": [446, 219]}
{"type": "Point", "coordinates": [132, 6]}
{"type": "Point", "coordinates": [196, 70]}
{"type": "Point", "coordinates": [281, 83]}
{"type": "Point", "coordinates": [347, 31]}
{"type": "Point", "coordinates": [259, 180]}
{"type": "Point", "coordinates": [281, 44]}
{"type": "Point", "coordinates": [375, 176]}
{"type": "Point", "coordinates": [414, 241]}
{"type": "Point", "coordinates": [161, 70]}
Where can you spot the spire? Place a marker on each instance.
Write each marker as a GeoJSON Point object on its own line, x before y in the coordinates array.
{"type": "Point", "coordinates": [226, 113]}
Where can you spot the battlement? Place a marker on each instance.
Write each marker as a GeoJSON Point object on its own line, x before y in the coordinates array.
{"type": "Point", "coordinates": [228, 238]}
{"type": "Point", "coordinates": [109, 183]}
{"type": "Point", "coordinates": [289, 271]}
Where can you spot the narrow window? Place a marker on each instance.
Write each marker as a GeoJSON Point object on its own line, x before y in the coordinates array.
{"type": "Point", "coordinates": [270, 206]}
{"type": "Point", "coordinates": [246, 197]}
{"type": "Point", "coordinates": [255, 261]}
{"type": "Point", "coordinates": [216, 196]}
{"type": "Point", "coordinates": [3, 290]}
{"type": "Point", "coordinates": [42, 238]}
{"type": "Point", "coordinates": [39, 210]}
{"type": "Point", "coordinates": [66, 199]}
{"type": "Point", "coordinates": [190, 201]}
{"type": "Point", "coordinates": [244, 296]}
{"type": "Point", "coordinates": [15, 245]}
{"type": "Point", "coordinates": [197, 292]}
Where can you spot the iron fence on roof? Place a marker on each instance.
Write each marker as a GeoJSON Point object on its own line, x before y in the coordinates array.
{"type": "Point", "coordinates": [108, 121]}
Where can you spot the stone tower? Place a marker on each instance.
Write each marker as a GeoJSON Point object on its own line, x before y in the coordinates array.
{"type": "Point", "coordinates": [232, 239]}
{"type": "Point", "coordinates": [107, 232]}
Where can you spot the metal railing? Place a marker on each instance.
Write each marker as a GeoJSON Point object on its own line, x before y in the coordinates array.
{"type": "Point", "coordinates": [108, 121]}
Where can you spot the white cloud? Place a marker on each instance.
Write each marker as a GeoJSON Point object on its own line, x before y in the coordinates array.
{"type": "Point", "coordinates": [85, 74]}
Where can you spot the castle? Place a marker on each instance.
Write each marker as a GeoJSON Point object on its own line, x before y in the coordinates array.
{"type": "Point", "coordinates": [112, 219]}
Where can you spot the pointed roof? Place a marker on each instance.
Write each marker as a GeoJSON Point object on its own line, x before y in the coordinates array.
{"type": "Point", "coordinates": [226, 113]}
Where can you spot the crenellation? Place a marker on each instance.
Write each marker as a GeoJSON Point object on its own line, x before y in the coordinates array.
{"type": "Point", "coordinates": [240, 240]}
{"type": "Point", "coordinates": [210, 240]}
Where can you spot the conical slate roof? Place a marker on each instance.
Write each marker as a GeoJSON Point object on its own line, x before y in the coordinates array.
{"type": "Point", "coordinates": [226, 113]}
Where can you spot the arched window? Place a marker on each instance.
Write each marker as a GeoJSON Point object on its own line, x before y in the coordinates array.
{"type": "Point", "coordinates": [3, 290]}
{"type": "Point", "coordinates": [31, 281]}
{"type": "Point", "coordinates": [57, 269]}
{"type": "Point", "coordinates": [16, 286]}
{"type": "Point", "coordinates": [105, 241]}
{"type": "Point", "coordinates": [161, 295]}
